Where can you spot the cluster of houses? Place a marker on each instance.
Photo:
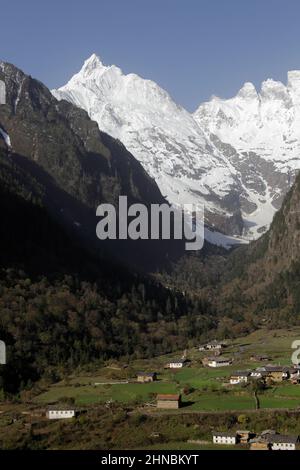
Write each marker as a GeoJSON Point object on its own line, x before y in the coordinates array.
{"type": "Point", "coordinates": [266, 440]}
{"type": "Point", "coordinates": [268, 373]}
{"type": "Point", "coordinates": [215, 347]}
{"type": "Point", "coordinates": [215, 360]}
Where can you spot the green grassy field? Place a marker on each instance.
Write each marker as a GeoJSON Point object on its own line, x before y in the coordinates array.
{"type": "Point", "coordinates": [278, 402]}
{"type": "Point", "coordinates": [213, 402]}
{"type": "Point", "coordinates": [124, 393]}
{"type": "Point", "coordinates": [287, 390]}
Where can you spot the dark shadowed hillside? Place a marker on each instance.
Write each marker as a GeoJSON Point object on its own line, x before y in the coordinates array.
{"type": "Point", "coordinates": [62, 308]}
{"type": "Point", "coordinates": [264, 278]}
{"type": "Point", "coordinates": [77, 167]}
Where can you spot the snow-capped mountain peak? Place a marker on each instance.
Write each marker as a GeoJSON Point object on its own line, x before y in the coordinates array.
{"type": "Point", "coordinates": [237, 155]}
{"type": "Point", "coordinates": [92, 63]}
{"type": "Point", "coordinates": [248, 92]}
{"type": "Point", "coordinates": [160, 133]}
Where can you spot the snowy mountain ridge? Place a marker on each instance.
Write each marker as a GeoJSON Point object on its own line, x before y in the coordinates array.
{"type": "Point", "coordinates": [266, 122]}
{"type": "Point", "coordinates": [238, 156]}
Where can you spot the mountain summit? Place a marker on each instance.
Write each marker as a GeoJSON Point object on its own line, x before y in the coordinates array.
{"type": "Point", "coordinates": [162, 135]}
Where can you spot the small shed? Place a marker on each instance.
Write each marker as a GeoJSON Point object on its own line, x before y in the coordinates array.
{"type": "Point", "coordinates": [168, 401]}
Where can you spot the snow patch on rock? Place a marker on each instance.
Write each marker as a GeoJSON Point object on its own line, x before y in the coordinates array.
{"type": "Point", "coordinates": [5, 137]}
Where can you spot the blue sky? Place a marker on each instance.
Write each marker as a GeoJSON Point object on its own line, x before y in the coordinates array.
{"type": "Point", "coordinates": [193, 48]}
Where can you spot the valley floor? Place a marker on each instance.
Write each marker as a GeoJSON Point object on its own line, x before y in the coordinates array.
{"type": "Point", "coordinates": [117, 412]}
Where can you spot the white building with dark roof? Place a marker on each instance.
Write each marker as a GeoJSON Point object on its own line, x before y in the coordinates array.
{"type": "Point", "coordinates": [60, 412]}
{"type": "Point", "coordinates": [240, 377]}
{"type": "Point", "coordinates": [281, 442]}
{"type": "Point", "coordinates": [219, 362]}
{"type": "Point", "coordinates": [178, 363]}
{"type": "Point", "coordinates": [225, 438]}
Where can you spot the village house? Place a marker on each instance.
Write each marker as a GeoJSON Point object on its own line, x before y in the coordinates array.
{"type": "Point", "coordinates": [145, 377]}
{"type": "Point", "coordinates": [270, 440]}
{"type": "Point", "coordinates": [168, 401]}
{"type": "Point", "coordinates": [240, 377]}
{"type": "Point", "coordinates": [178, 363]}
{"type": "Point", "coordinates": [281, 442]}
{"type": "Point", "coordinates": [225, 438]}
{"type": "Point", "coordinates": [276, 373]}
{"type": "Point", "coordinates": [271, 373]}
{"type": "Point", "coordinates": [60, 412]}
{"type": "Point", "coordinates": [217, 362]}
{"type": "Point", "coordinates": [264, 441]}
